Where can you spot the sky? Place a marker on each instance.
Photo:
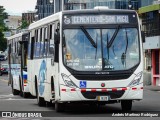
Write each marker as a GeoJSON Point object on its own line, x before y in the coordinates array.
{"type": "Point", "coordinates": [17, 7]}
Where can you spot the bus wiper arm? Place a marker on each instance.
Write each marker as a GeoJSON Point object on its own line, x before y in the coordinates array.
{"type": "Point", "coordinates": [113, 37]}
{"type": "Point", "coordinates": [88, 36]}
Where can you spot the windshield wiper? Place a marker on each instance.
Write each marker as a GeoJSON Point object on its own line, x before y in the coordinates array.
{"type": "Point", "coordinates": [126, 40]}
{"type": "Point", "coordinates": [108, 47]}
{"type": "Point", "coordinates": [88, 36]}
{"type": "Point", "coordinates": [113, 37]}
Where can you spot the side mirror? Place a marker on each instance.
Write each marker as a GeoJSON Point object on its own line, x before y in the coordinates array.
{"type": "Point", "coordinates": [143, 36]}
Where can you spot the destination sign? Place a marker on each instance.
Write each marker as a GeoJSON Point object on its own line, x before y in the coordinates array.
{"type": "Point", "coordinates": [96, 19]}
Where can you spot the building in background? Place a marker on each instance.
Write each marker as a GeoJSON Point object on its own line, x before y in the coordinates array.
{"type": "Point", "coordinates": [146, 2]}
{"type": "Point", "coordinates": [44, 8]}
{"type": "Point", "coordinates": [13, 22]}
{"type": "Point", "coordinates": [29, 16]}
{"type": "Point", "coordinates": [112, 4]}
{"type": "Point", "coordinates": [151, 26]}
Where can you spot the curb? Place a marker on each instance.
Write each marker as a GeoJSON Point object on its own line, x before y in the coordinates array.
{"type": "Point", "coordinates": [152, 88]}
{"type": "Point", "coordinates": [6, 81]}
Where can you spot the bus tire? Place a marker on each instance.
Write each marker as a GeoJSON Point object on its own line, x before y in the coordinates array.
{"type": "Point", "coordinates": [25, 95]}
{"type": "Point", "coordinates": [41, 101]}
{"type": "Point", "coordinates": [59, 107]}
{"type": "Point", "coordinates": [126, 105]}
{"type": "Point", "coordinates": [15, 92]}
{"type": "Point", "coordinates": [0, 73]}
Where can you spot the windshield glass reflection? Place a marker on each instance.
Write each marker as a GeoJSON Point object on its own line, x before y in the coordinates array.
{"type": "Point", "coordinates": [81, 54]}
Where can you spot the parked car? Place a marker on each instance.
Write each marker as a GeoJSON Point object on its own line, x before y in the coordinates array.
{"type": "Point", "coordinates": [1, 52]}
{"type": "Point", "coordinates": [4, 69]}
{"type": "Point", "coordinates": [2, 57]}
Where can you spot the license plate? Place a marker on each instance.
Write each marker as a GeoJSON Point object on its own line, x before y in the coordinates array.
{"type": "Point", "coordinates": [103, 98]}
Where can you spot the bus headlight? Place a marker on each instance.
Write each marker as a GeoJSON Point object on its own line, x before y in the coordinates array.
{"type": "Point", "coordinates": [68, 81]}
{"type": "Point", "coordinates": [136, 79]}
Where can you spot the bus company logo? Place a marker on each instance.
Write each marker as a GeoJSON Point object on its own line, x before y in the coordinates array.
{"type": "Point", "coordinates": [20, 115]}
{"type": "Point", "coordinates": [67, 21]}
{"type": "Point", "coordinates": [6, 114]}
{"type": "Point", "coordinates": [42, 77]}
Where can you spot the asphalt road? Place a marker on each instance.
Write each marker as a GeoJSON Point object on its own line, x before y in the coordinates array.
{"type": "Point", "coordinates": [8, 102]}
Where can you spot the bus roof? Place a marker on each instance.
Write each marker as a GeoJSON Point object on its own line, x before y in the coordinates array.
{"type": "Point", "coordinates": [99, 10]}
{"type": "Point", "coordinates": [16, 35]}
{"type": "Point", "coordinates": [56, 16]}
{"type": "Point", "coordinates": [45, 21]}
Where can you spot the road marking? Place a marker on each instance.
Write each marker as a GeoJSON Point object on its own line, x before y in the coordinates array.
{"type": "Point", "coordinates": [6, 81]}
{"type": "Point", "coordinates": [9, 99]}
{"type": "Point", "coordinates": [14, 99]}
{"type": "Point", "coordinates": [10, 95]}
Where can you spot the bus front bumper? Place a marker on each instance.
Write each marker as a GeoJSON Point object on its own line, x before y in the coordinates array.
{"type": "Point", "coordinates": [74, 94]}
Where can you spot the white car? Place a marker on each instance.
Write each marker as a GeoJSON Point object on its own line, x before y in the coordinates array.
{"type": "Point", "coordinates": [1, 52]}
{"type": "Point", "coordinates": [3, 57]}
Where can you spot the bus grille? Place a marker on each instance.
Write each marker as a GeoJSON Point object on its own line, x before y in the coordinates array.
{"type": "Point", "coordinates": [112, 94]}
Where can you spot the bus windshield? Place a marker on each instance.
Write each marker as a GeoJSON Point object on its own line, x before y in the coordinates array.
{"type": "Point", "coordinates": [113, 49]}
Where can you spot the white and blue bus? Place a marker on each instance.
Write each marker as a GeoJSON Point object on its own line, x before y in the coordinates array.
{"type": "Point", "coordinates": [93, 56]}
{"type": "Point", "coordinates": [17, 60]}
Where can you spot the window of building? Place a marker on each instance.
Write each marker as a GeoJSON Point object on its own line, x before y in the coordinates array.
{"type": "Point", "coordinates": [157, 62]}
{"type": "Point", "coordinates": [151, 23]}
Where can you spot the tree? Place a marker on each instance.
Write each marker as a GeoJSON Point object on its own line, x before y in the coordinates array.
{"type": "Point", "coordinates": [24, 25]}
{"type": "Point", "coordinates": [3, 41]}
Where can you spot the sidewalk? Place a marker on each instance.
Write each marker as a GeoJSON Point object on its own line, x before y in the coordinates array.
{"type": "Point", "coordinates": [153, 88]}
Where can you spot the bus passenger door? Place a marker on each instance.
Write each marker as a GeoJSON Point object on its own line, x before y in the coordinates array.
{"type": "Point", "coordinates": [56, 33]}
{"type": "Point", "coordinates": [50, 64]}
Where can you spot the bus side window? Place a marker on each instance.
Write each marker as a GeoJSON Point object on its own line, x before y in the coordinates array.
{"type": "Point", "coordinates": [38, 44]}
{"type": "Point", "coordinates": [41, 42]}
{"type": "Point", "coordinates": [15, 43]}
{"type": "Point", "coordinates": [19, 50]}
{"type": "Point", "coordinates": [56, 42]}
{"type": "Point", "coordinates": [29, 46]}
{"type": "Point", "coordinates": [51, 40]}
{"type": "Point", "coordinates": [12, 45]}
{"type": "Point", "coordinates": [35, 43]}
{"type": "Point", "coordinates": [32, 48]}
{"type": "Point", "coordinates": [9, 49]}
{"type": "Point", "coordinates": [45, 50]}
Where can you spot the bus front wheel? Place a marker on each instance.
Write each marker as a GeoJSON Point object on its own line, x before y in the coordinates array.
{"type": "Point", "coordinates": [59, 107]}
{"type": "Point", "coordinates": [126, 105]}
{"type": "Point", "coordinates": [41, 101]}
